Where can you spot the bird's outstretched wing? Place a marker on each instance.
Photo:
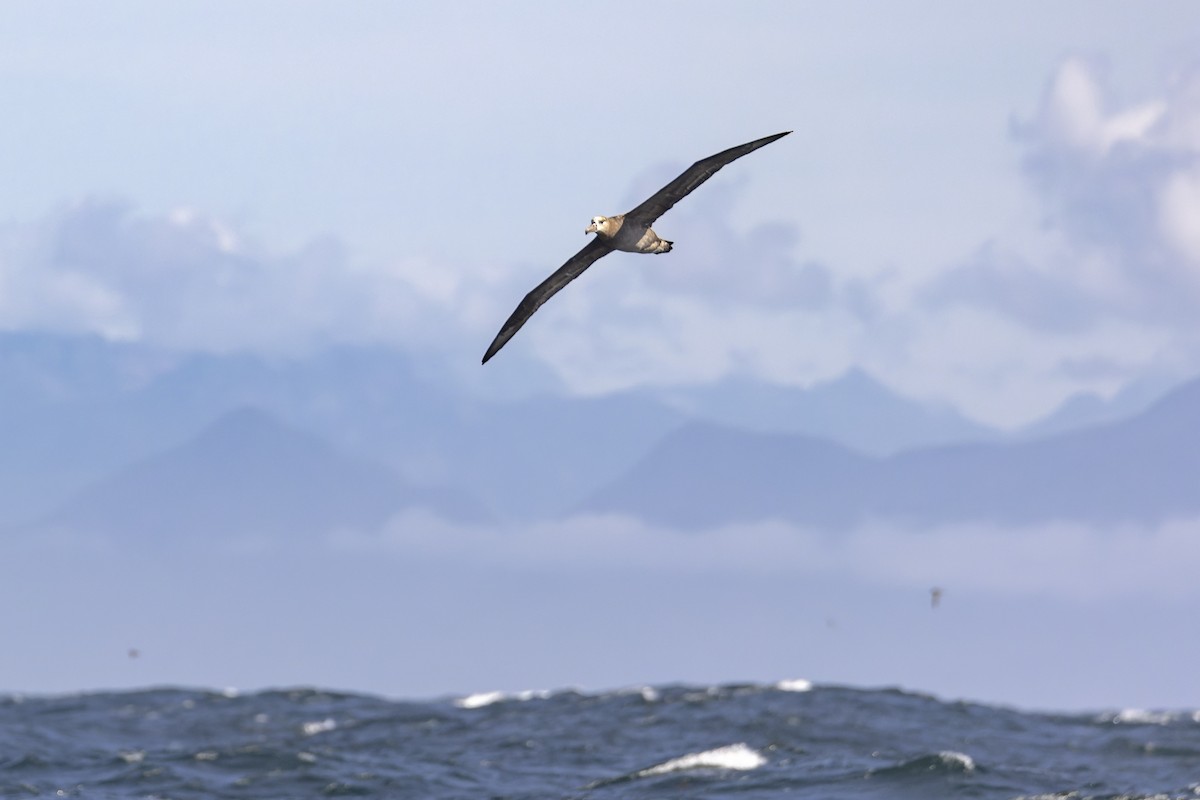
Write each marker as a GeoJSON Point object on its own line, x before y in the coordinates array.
{"type": "Point", "coordinates": [661, 201]}
{"type": "Point", "coordinates": [595, 249]}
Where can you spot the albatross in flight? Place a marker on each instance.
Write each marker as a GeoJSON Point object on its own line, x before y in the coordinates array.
{"type": "Point", "coordinates": [629, 232]}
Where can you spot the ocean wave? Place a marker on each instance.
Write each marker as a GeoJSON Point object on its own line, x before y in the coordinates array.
{"type": "Point", "coordinates": [1138, 716]}
{"type": "Point", "coordinates": [730, 757]}
{"type": "Point", "coordinates": [480, 699]}
{"type": "Point", "coordinates": [821, 743]}
{"type": "Point", "coordinates": [318, 726]}
{"type": "Point", "coordinates": [1076, 795]}
{"type": "Point", "coordinates": [648, 693]}
{"type": "Point", "coordinates": [484, 699]}
{"type": "Point", "coordinates": [947, 761]}
{"type": "Point", "coordinates": [955, 759]}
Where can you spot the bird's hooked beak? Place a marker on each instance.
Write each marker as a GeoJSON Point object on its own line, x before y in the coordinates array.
{"type": "Point", "coordinates": [589, 229]}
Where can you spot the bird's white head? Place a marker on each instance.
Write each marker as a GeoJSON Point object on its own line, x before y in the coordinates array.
{"type": "Point", "coordinates": [599, 225]}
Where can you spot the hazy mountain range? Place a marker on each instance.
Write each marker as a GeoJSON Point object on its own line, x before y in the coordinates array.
{"type": "Point", "coordinates": [137, 443]}
{"type": "Point", "coordinates": [250, 474]}
{"type": "Point", "coordinates": [1142, 469]}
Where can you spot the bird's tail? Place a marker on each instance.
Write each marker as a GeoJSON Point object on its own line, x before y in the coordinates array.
{"type": "Point", "coordinates": [664, 246]}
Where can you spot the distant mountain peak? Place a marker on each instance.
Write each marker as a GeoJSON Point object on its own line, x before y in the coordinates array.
{"type": "Point", "coordinates": [1142, 469]}
{"type": "Point", "coordinates": [248, 473]}
{"type": "Point", "coordinates": [855, 409]}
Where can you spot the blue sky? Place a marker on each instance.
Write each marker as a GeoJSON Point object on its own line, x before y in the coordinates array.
{"type": "Point", "coordinates": [995, 203]}
{"type": "Point", "coordinates": [989, 205]}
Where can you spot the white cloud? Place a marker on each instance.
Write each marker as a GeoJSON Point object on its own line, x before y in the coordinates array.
{"type": "Point", "coordinates": [1054, 559]}
{"type": "Point", "coordinates": [1121, 185]}
{"type": "Point", "coordinates": [1005, 371]}
{"type": "Point", "coordinates": [191, 281]}
{"type": "Point", "coordinates": [1114, 279]}
{"type": "Point", "coordinates": [1073, 112]}
{"type": "Point", "coordinates": [1180, 214]}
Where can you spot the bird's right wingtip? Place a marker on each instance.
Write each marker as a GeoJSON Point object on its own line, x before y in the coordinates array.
{"type": "Point", "coordinates": [493, 348]}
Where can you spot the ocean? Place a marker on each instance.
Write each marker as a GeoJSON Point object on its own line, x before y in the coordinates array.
{"type": "Point", "coordinates": [790, 739]}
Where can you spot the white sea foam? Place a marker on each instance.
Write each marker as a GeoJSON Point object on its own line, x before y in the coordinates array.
{"type": "Point", "coordinates": [318, 726]}
{"type": "Point", "coordinates": [954, 758]}
{"type": "Point", "coordinates": [647, 693]}
{"type": "Point", "coordinates": [734, 756]}
{"type": "Point", "coordinates": [794, 685]}
{"type": "Point", "coordinates": [480, 699]}
{"type": "Point", "coordinates": [704, 695]}
{"type": "Point", "coordinates": [132, 756]}
{"type": "Point", "coordinates": [1138, 716]}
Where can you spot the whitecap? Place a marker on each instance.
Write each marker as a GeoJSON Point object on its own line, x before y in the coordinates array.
{"type": "Point", "coordinates": [733, 756]}
{"type": "Point", "coordinates": [318, 726]}
{"type": "Point", "coordinates": [1138, 716]}
{"type": "Point", "coordinates": [953, 758]}
{"type": "Point", "coordinates": [132, 756]}
{"type": "Point", "coordinates": [480, 699]}
{"type": "Point", "coordinates": [794, 685]}
{"type": "Point", "coordinates": [702, 695]}
{"type": "Point", "coordinates": [648, 693]}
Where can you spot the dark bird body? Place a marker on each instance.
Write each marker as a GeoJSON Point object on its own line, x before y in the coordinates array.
{"type": "Point", "coordinates": [630, 232]}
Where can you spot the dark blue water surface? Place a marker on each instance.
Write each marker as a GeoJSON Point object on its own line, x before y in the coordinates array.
{"type": "Point", "coordinates": [678, 741]}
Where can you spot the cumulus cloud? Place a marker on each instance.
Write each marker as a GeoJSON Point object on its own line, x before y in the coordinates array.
{"type": "Point", "coordinates": [999, 279]}
{"type": "Point", "coordinates": [715, 259]}
{"type": "Point", "coordinates": [1180, 212]}
{"type": "Point", "coordinates": [1113, 278]}
{"type": "Point", "coordinates": [1053, 559]}
{"type": "Point", "coordinates": [726, 301]}
{"type": "Point", "coordinates": [188, 280]}
{"type": "Point", "coordinates": [1121, 187]}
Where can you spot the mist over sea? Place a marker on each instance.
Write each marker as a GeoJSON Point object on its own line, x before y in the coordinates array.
{"type": "Point", "coordinates": [789, 738]}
